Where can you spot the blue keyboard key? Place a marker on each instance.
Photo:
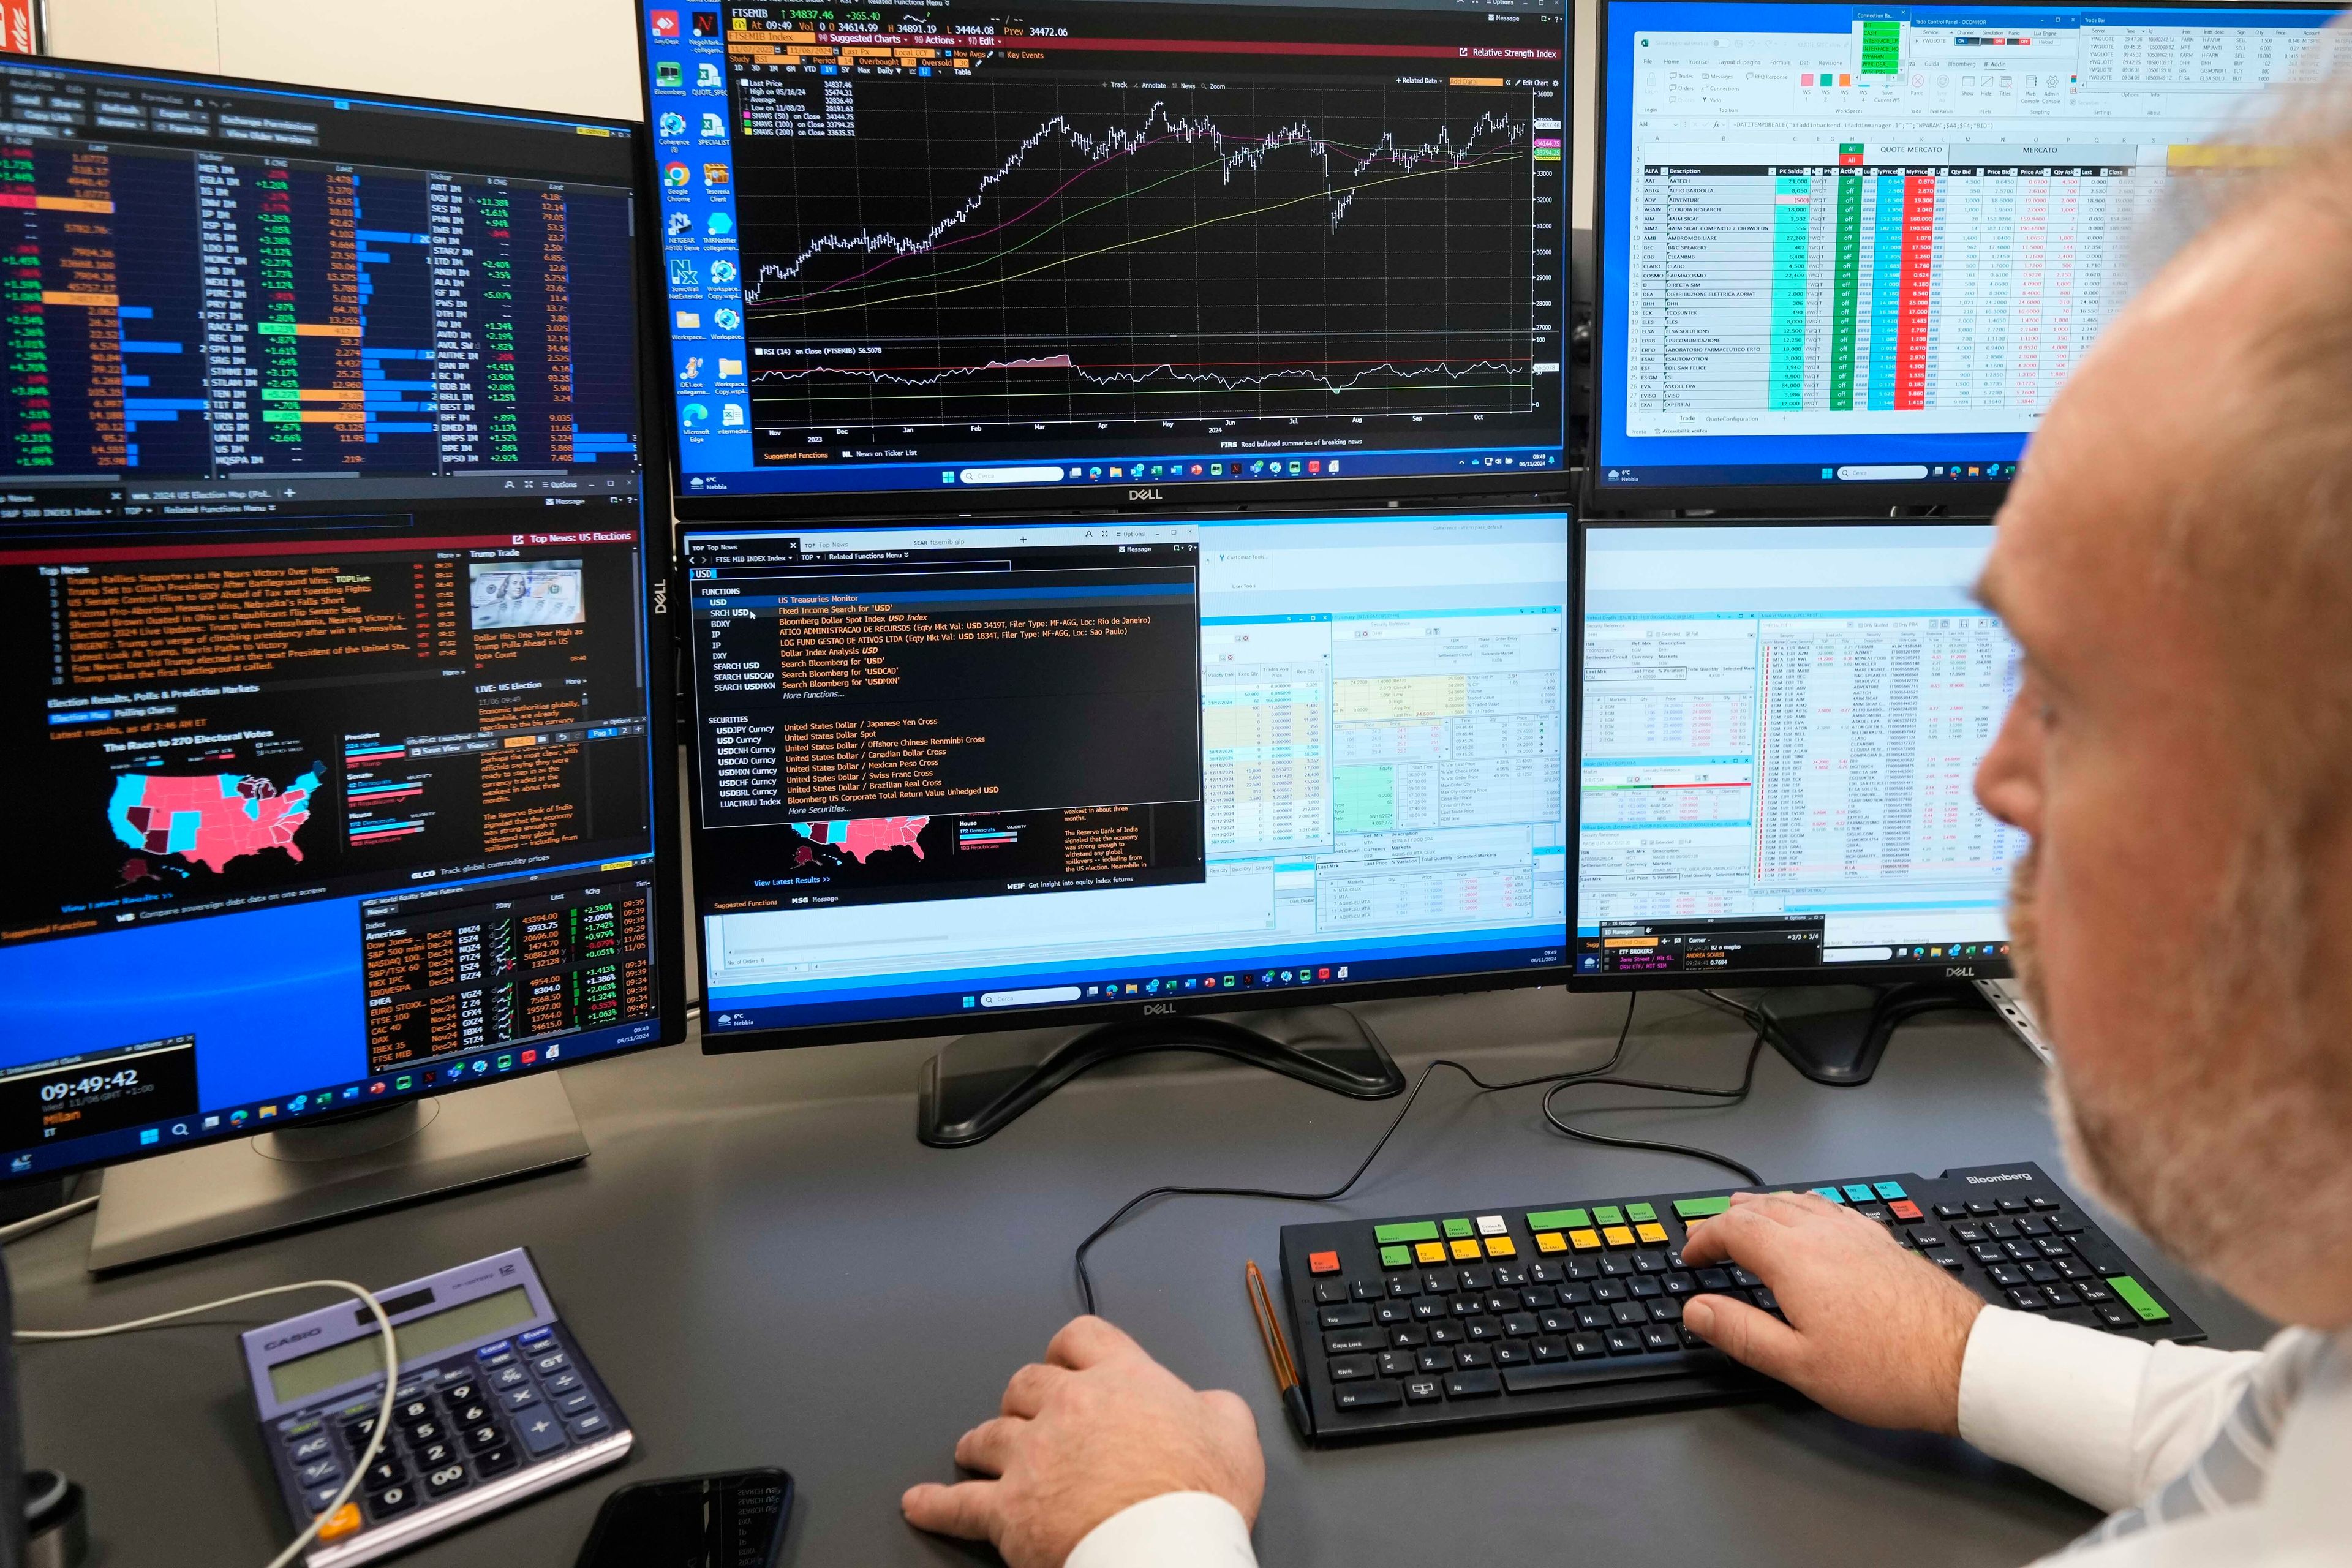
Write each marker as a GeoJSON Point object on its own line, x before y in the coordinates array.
{"type": "Point", "coordinates": [1891, 1191]}
{"type": "Point", "coordinates": [1831, 1193]}
{"type": "Point", "coordinates": [1858, 1193]}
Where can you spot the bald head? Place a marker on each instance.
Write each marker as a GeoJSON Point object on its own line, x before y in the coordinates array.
{"type": "Point", "coordinates": [2175, 562]}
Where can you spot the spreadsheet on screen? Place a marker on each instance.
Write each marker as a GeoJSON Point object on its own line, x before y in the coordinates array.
{"type": "Point", "coordinates": [1878, 239]}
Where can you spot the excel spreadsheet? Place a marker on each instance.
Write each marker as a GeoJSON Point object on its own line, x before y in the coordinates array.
{"type": "Point", "coordinates": [1782, 726]}
{"type": "Point", "coordinates": [1870, 244]}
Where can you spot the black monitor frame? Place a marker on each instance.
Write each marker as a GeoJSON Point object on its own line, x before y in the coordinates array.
{"type": "Point", "coordinates": [1885, 973]}
{"type": "Point", "coordinates": [1959, 500]}
{"type": "Point", "coordinates": [1078, 1018]}
{"type": "Point", "coordinates": [1503, 487]}
{"type": "Point", "coordinates": [660, 636]}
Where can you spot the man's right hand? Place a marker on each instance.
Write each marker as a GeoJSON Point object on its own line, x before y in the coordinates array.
{"type": "Point", "coordinates": [1875, 1333]}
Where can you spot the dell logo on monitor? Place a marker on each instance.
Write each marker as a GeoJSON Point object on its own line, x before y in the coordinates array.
{"type": "Point", "coordinates": [1143, 495]}
{"type": "Point", "coordinates": [1150, 1008]}
{"type": "Point", "coordinates": [1960, 971]}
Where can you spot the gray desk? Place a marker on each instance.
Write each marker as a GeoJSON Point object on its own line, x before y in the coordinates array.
{"type": "Point", "coordinates": [770, 1269]}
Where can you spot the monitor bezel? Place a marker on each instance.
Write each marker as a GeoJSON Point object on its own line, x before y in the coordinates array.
{"type": "Point", "coordinates": [1882, 973]}
{"type": "Point", "coordinates": [668, 944]}
{"type": "Point", "coordinates": [791, 1037]}
{"type": "Point", "coordinates": [1961, 502]}
{"type": "Point", "coordinates": [701, 509]}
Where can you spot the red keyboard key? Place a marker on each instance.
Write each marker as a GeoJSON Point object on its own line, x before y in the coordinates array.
{"type": "Point", "coordinates": [1904, 1208]}
{"type": "Point", "coordinates": [1323, 1263]}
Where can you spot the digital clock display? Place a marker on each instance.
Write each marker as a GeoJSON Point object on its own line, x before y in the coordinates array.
{"type": "Point", "coordinates": [80, 1096]}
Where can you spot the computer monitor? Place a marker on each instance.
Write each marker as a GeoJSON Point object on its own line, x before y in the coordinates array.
{"type": "Point", "coordinates": [969, 253]}
{"type": "Point", "coordinates": [1026, 774]}
{"type": "Point", "coordinates": [1849, 253]}
{"type": "Point", "coordinates": [332, 676]}
{"type": "Point", "coordinates": [1778, 732]}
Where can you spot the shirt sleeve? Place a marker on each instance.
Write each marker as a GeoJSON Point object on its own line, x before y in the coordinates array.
{"type": "Point", "coordinates": [1174, 1530]}
{"type": "Point", "coordinates": [2106, 1417]}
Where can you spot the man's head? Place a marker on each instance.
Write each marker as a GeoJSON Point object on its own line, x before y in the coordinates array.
{"type": "Point", "coordinates": [2176, 562]}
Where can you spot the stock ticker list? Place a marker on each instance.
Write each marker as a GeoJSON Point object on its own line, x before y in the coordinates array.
{"type": "Point", "coordinates": [912, 732]}
{"type": "Point", "coordinates": [204, 313]}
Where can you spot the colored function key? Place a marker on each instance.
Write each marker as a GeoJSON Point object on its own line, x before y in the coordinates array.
{"type": "Point", "coordinates": [1891, 1190]}
{"type": "Point", "coordinates": [1322, 1263]}
{"type": "Point", "coordinates": [1405, 1231]}
{"type": "Point", "coordinates": [1457, 1228]}
{"type": "Point", "coordinates": [1904, 1209]}
{"type": "Point", "coordinates": [1837, 1196]}
{"type": "Point", "coordinates": [1617, 1236]}
{"type": "Point", "coordinates": [1637, 1213]}
{"type": "Point", "coordinates": [1396, 1257]}
{"type": "Point", "coordinates": [1429, 1252]}
{"type": "Point", "coordinates": [1465, 1251]}
{"type": "Point", "coordinates": [1491, 1224]}
{"type": "Point", "coordinates": [1550, 1241]}
{"type": "Point", "coordinates": [1501, 1246]}
{"type": "Point", "coordinates": [1586, 1240]}
{"type": "Point", "coordinates": [1652, 1234]}
{"type": "Point", "coordinates": [1689, 1209]}
{"type": "Point", "coordinates": [2137, 1298]}
{"type": "Point", "coordinates": [1859, 1192]}
{"type": "Point", "coordinates": [1608, 1215]}
{"type": "Point", "coordinates": [1558, 1220]}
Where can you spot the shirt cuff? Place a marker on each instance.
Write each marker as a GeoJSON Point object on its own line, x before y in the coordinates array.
{"type": "Point", "coordinates": [2056, 1398]}
{"type": "Point", "coordinates": [1174, 1530]}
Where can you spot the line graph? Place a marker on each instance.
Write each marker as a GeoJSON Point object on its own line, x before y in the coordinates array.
{"type": "Point", "coordinates": [1032, 249]}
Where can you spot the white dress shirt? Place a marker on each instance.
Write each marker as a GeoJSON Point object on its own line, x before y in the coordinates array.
{"type": "Point", "coordinates": [2109, 1419]}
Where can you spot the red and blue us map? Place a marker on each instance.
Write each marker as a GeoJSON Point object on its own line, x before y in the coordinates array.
{"type": "Point", "coordinates": [210, 819]}
{"type": "Point", "coordinates": [860, 837]}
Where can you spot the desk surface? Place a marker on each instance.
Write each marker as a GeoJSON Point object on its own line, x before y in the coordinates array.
{"type": "Point", "coordinates": [769, 1270]}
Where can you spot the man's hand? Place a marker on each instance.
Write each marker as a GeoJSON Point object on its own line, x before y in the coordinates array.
{"type": "Point", "coordinates": [1097, 1426]}
{"type": "Point", "coordinates": [1874, 1333]}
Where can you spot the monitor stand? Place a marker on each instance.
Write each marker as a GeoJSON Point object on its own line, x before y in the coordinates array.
{"type": "Point", "coordinates": [1835, 1034]}
{"type": "Point", "coordinates": [330, 1170]}
{"type": "Point", "coordinates": [980, 1082]}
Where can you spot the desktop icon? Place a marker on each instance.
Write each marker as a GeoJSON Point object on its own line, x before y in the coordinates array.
{"type": "Point", "coordinates": [1322, 975]}
{"type": "Point", "coordinates": [528, 1057]}
{"type": "Point", "coordinates": [211, 1123]}
{"type": "Point", "coordinates": [714, 126]}
{"type": "Point", "coordinates": [505, 1062]}
{"type": "Point", "coordinates": [730, 416]}
{"type": "Point", "coordinates": [1192, 983]}
{"type": "Point", "coordinates": [730, 369]}
{"type": "Point", "coordinates": [266, 1112]}
{"type": "Point", "coordinates": [1314, 465]}
{"type": "Point", "coordinates": [404, 1082]}
{"type": "Point", "coordinates": [149, 1134]}
{"type": "Point", "coordinates": [689, 320]}
{"type": "Point", "coordinates": [1332, 467]}
{"type": "Point", "coordinates": [237, 1118]}
{"type": "Point", "coordinates": [680, 223]}
{"type": "Point", "coordinates": [1343, 972]}
{"type": "Point", "coordinates": [674, 176]}
{"type": "Point", "coordinates": [705, 24]}
{"type": "Point", "coordinates": [179, 1130]}
{"type": "Point", "coordinates": [705, 74]}
{"type": "Point", "coordinates": [352, 1092]}
{"type": "Point", "coordinates": [481, 1065]}
{"type": "Point", "coordinates": [378, 1087]}
{"type": "Point", "coordinates": [294, 1106]}
{"type": "Point", "coordinates": [1294, 467]}
{"type": "Point", "coordinates": [722, 273]}
{"type": "Point", "coordinates": [664, 24]}
{"type": "Point", "coordinates": [719, 225]}
{"type": "Point", "coordinates": [714, 176]}
{"type": "Point", "coordinates": [668, 73]}
{"type": "Point", "coordinates": [694, 415]}
{"type": "Point", "coordinates": [691, 368]}
{"type": "Point", "coordinates": [20, 1163]}
{"type": "Point", "coordinates": [672, 125]}
{"type": "Point", "coordinates": [727, 318]}
{"type": "Point", "coordinates": [682, 274]}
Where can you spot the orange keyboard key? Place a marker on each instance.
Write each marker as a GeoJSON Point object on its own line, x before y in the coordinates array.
{"type": "Point", "coordinates": [1322, 1263]}
{"type": "Point", "coordinates": [344, 1521]}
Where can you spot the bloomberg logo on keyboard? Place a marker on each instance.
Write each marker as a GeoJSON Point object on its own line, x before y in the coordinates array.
{"type": "Point", "coordinates": [2011, 1176]}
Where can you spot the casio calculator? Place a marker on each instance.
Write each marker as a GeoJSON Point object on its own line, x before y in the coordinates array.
{"type": "Point", "coordinates": [496, 1403]}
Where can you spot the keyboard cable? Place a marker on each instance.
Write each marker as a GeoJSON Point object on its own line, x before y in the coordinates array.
{"type": "Point", "coordinates": [1602, 1074]}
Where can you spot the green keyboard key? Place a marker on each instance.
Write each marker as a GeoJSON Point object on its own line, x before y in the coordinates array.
{"type": "Point", "coordinates": [1641, 1214]}
{"type": "Point", "coordinates": [1403, 1232]}
{"type": "Point", "coordinates": [1700, 1208]}
{"type": "Point", "coordinates": [1558, 1220]}
{"type": "Point", "coordinates": [1458, 1229]}
{"type": "Point", "coordinates": [2137, 1298]}
{"type": "Point", "coordinates": [1396, 1257]}
{"type": "Point", "coordinates": [1609, 1214]}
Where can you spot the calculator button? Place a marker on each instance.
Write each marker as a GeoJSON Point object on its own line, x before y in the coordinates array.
{"type": "Point", "coordinates": [562, 1382]}
{"type": "Point", "coordinates": [384, 1472]}
{"type": "Point", "coordinates": [592, 1425]}
{"type": "Point", "coordinates": [319, 1473]}
{"type": "Point", "coordinates": [427, 1431]}
{"type": "Point", "coordinates": [411, 1410]}
{"type": "Point", "coordinates": [531, 1338]}
{"type": "Point", "coordinates": [445, 1481]}
{"type": "Point", "coordinates": [487, 1436]}
{"type": "Point", "coordinates": [575, 1401]}
{"type": "Point", "coordinates": [317, 1446]}
{"type": "Point", "coordinates": [464, 1392]}
{"type": "Point", "coordinates": [509, 1376]}
{"type": "Point", "coordinates": [319, 1498]}
{"type": "Point", "coordinates": [541, 1433]}
{"type": "Point", "coordinates": [495, 1461]}
{"type": "Point", "coordinates": [339, 1523]}
{"type": "Point", "coordinates": [519, 1398]}
{"type": "Point", "coordinates": [433, 1455]}
{"type": "Point", "coordinates": [488, 1355]}
{"type": "Point", "coordinates": [550, 1364]}
{"type": "Point", "coordinates": [391, 1501]}
{"type": "Point", "coordinates": [356, 1433]}
{"type": "Point", "coordinates": [472, 1415]}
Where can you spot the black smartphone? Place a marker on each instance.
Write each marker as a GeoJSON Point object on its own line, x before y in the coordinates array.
{"type": "Point", "coordinates": [731, 1520]}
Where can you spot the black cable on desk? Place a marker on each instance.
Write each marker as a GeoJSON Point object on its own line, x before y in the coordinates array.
{"type": "Point", "coordinates": [1558, 1081]}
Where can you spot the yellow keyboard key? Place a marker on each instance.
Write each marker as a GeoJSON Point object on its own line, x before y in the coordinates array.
{"type": "Point", "coordinates": [1656, 1234]}
{"type": "Point", "coordinates": [1550, 1241]}
{"type": "Point", "coordinates": [1585, 1240]}
{"type": "Point", "coordinates": [1617, 1236]}
{"type": "Point", "coordinates": [1501, 1246]}
{"type": "Point", "coordinates": [1429, 1252]}
{"type": "Point", "coordinates": [1465, 1251]}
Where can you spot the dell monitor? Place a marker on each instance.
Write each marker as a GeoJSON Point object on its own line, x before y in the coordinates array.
{"type": "Point", "coordinates": [1117, 774]}
{"type": "Point", "coordinates": [1849, 253]}
{"type": "Point", "coordinates": [963, 256]}
{"type": "Point", "coordinates": [1779, 728]}
{"type": "Point", "coordinates": [332, 675]}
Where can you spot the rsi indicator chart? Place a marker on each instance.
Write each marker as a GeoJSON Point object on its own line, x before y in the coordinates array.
{"type": "Point", "coordinates": [980, 237]}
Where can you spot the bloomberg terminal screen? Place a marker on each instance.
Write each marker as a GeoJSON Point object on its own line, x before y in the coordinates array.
{"type": "Point", "coordinates": [946, 247]}
{"type": "Point", "coordinates": [324, 647]}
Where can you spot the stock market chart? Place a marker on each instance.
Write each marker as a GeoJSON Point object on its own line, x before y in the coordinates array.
{"type": "Point", "coordinates": [1108, 246]}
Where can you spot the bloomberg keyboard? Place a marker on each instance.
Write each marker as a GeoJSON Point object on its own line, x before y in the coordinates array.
{"type": "Point", "coordinates": [1464, 1318]}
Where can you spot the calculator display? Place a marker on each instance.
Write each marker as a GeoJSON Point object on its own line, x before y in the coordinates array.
{"type": "Point", "coordinates": [420, 1337]}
